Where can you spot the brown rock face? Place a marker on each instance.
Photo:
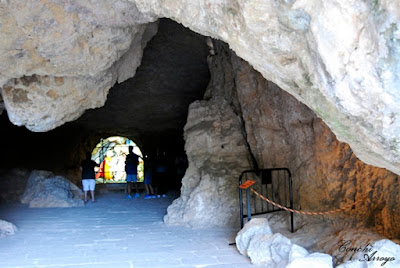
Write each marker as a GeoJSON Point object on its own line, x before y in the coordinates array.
{"type": "Point", "coordinates": [281, 132]}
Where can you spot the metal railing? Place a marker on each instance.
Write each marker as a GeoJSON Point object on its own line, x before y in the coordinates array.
{"type": "Point", "coordinates": [274, 183]}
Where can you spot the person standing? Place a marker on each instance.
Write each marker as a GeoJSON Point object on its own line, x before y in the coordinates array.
{"type": "Point", "coordinates": [148, 175]}
{"type": "Point", "coordinates": [131, 162]}
{"type": "Point", "coordinates": [161, 176]}
{"type": "Point", "coordinates": [88, 176]}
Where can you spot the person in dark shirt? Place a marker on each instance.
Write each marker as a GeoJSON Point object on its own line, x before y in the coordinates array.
{"type": "Point", "coordinates": [148, 176]}
{"type": "Point", "coordinates": [131, 162]}
{"type": "Point", "coordinates": [88, 176]}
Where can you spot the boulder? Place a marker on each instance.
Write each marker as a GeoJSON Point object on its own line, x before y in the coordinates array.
{"type": "Point", "coordinates": [297, 252]}
{"type": "Point", "coordinates": [7, 228]}
{"type": "Point", "coordinates": [46, 190]}
{"type": "Point", "coordinates": [257, 226]}
{"type": "Point", "coordinates": [257, 241]}
{"type": "Point", "coordinates": [270, 250]}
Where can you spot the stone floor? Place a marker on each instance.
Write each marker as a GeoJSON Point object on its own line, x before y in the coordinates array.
{"type": "Point", "coordinates": [113, 232]}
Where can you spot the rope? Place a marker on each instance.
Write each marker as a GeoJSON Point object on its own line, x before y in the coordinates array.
{"type": "Point", "coordinates": [305, 212]}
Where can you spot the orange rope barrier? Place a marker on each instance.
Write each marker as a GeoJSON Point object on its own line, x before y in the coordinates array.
{"type": "Point", "coordinates": [305, 212]}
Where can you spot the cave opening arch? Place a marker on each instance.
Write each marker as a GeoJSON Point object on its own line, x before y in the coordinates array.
{"type": "Point", "coordinates": [110, 154]}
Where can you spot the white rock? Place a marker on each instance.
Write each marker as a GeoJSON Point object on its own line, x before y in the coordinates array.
{"type": "Point", "coordinates": [270, 250]}
{"type": "Point", "coordinates": [256, 226]}
{"type": "Point", "coordinates": [7, 228]}
{"type": "Point", "coordinates": [297, 252]}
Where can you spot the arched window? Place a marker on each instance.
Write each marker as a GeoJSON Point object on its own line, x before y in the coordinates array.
{"type": "Point", "coordinates": [110, 154]}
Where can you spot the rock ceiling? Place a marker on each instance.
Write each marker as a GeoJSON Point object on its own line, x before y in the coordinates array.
{"type": "Point", "coordinates": [173, 73]}
{"type": "Point", "coordinates": [340, 58]}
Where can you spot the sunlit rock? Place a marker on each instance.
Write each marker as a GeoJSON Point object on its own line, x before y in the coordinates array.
{"type": "Point", "coordinates": [257, 226]}
{"type": "Point", "coordinates": [60, 59]}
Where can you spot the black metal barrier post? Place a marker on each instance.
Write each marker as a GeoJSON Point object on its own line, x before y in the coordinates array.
{"type": "Point", "coordinates": [248, 204]}
{"type": "Point", "coordinates": [276, 183]}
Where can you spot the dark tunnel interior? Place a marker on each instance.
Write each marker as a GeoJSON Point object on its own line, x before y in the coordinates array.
{"type": "Point", "coordinates": [150, 109]}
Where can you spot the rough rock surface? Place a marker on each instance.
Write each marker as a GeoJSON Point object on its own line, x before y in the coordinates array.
{"type": "Point", "coordinates": [257, 226]}
{"type": "Point", "coordinates": [46, 190]}
{"type": "Point", "coordinates": [217, 154]}
{"type": "Point", "coordinates": [333, 244]}
{"type": "Point", "coordinates": [340, 58]}
{"type": "Point", "coordinates": [7, 228]}
{"type": "Point", "coordinates": [282, 132]}
{"type": "Point", "coordinates": [321, 234]}
{"type": "Point", "coordinates": [257, 241]}
{"type": "Point", "coordinates": [271, 250]}
{"type": "Point", "coordinates": [59, 59]}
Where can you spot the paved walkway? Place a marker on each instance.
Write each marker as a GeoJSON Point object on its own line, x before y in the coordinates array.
{"type": "Point", "coordinates": [113, 232]}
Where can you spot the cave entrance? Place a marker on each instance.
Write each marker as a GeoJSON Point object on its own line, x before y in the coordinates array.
{"type": "Point", "coordinates": [110, 154]}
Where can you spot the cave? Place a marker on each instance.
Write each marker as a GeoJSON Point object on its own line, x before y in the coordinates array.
{"type": "Point", "coordinates": [215, 89]}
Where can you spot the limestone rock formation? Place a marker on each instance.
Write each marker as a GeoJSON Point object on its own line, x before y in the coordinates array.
{"type": "Point", "coordinates": [282, 132]}
{"type": "Point", "coordinates": [257, 226]}
{"type": "Point", "coordinates": [270, 250]}
{"type": "Point", "coordinates": [7, 228]}
{"type": "Point", "coordinates": [263, 247]}
{"type": "Point", "coordinates": [339, 58]}
{"type": "Point", "coordinates": [279, 131]}
{"type": "Point", "coordinates": [217, 154]}
{"type": "Point", "coordinates": [46, 190]}
{"type": "Point", "coordinates": [59, 59]}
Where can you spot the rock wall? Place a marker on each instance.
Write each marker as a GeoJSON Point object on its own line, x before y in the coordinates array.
{"type": "Point", "coordinates": [217, 154]}
{"type": "Point", "coordinates": [340, 58]}
{"type": "Point", "coordinates": [59, 59]}
{"type": "Point", "coordinates": [282, 132]}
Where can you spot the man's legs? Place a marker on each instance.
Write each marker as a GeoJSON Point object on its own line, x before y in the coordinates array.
{"type": "Point", "coordinates": [92, 194]}
{"type": "Point", "coordinates": [128, 188]}
{"type": "Point", "coordinates": [85, 186]}
{"type": "Point", "coordinates": [92, 185]}
{"type": "Point", "coordinates": [149, 191]}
